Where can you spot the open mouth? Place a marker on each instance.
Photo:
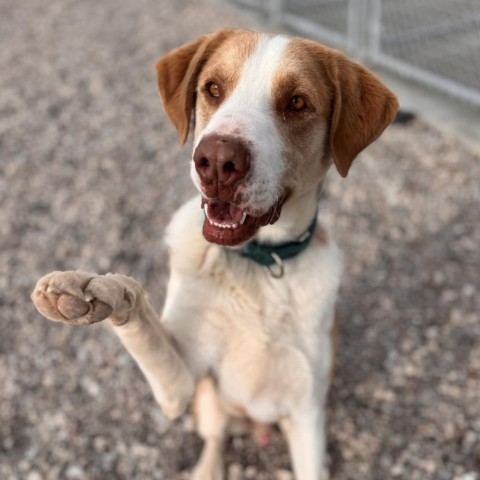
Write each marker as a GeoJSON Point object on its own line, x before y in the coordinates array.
{"type": "Point", "coordinates": [227, 224]}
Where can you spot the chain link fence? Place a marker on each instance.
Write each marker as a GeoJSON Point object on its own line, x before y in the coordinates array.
{"type": "Point", "coordinates": [436, 42]}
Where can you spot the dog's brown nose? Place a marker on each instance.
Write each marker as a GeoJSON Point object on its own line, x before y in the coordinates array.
{"type": "Point", "coordinates": [221, 160]}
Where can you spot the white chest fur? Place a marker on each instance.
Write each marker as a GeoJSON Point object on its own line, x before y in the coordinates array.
{"type": "Point", "coordinates": [266, 340]}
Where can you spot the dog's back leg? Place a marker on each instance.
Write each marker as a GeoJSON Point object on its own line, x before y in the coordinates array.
{"type": "Point", "coordinates": [82, 298]}
{"type": "Point", "coordinates": [211, 421]}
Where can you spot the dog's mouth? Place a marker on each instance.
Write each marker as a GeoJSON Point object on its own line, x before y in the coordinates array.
{"type": "Point", "coordinates": [227, 224]}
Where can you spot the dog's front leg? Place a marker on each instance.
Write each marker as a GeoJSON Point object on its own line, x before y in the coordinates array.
{"type": "Point", "coordinates": [82, 298]}
{"type": "Point", "coordinates": [305, 433]}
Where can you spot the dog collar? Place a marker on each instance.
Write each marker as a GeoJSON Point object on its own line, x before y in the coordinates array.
{"type": "Point", "coordinates": [273, 255]}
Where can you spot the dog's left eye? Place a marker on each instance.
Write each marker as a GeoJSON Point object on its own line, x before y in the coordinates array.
{"type": "Point", "coordinates": [296, 103]}
{"type": "Point", "coordinates": [213, 89]}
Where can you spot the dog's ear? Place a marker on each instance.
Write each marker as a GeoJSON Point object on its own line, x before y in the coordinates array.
{"type": "Point", "coordinates": [177, 74]}
{"type": "Point", "coordinates": [362, 107]}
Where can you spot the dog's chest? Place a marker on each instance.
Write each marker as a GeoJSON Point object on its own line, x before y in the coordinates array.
{"type": "Point", "coordinates": [262, 338]}
{"type": "Point", "coordinates": [268, 342]}
{"type": "Point", "coordinates": [265, 340]}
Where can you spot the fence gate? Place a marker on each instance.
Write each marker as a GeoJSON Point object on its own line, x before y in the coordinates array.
{"type": "Point", "coordinates": [436, 42]}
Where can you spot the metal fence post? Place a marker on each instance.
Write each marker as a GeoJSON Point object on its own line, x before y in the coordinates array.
{"type": "Point", "coordinates": [357, 28]}
{"type": "Point", "coordinates": [375, 34]}
{"type": "Point", "coordinates": [275, 11]}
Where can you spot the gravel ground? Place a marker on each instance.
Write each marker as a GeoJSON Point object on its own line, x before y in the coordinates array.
{"type": "Point", "coordinates": [90, 173]}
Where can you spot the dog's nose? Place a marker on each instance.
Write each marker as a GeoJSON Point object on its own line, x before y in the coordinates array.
{"type": "Point", "coordinates": [221, 160]}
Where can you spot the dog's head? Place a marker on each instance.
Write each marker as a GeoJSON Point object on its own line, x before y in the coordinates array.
{"type": "Point", "coordinates": [270, 113]}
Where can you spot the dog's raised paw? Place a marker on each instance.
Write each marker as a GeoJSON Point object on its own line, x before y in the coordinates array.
{"type": "Point", "coordinates": [81, 298]}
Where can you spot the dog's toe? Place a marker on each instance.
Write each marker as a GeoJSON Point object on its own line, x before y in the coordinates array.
{"type": "Point", "coordinates": [72, 307]}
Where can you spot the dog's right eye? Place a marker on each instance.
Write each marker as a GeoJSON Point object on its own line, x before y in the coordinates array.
{"type": "Point", "coordinates": [296, 103]}
{"type": "Point", "coordinates": [213, 89]}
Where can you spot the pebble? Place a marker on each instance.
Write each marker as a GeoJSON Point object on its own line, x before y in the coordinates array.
{"type": "Point", "coordinates": [469, 476]}
{"type": "Point", "coordinates": [250, 472]}
{"type": "Point", "coordinates": [34, 475]}
{"type": "Point", "coordinates": [283, 475]}
{"type": "Point", "coordinates": [235, 471]}
{"type": "Point", "coordinates": [75, 472]}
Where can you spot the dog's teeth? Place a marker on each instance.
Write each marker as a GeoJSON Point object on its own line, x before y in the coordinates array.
{"type": "Point", "coordinates": [242, 220]}
{"type": "Point", "coordinates": [206, 212]}
{"type": "Point", "coordinates": [224, 225]}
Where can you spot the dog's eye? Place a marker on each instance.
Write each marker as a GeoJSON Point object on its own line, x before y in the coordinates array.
{"type": "Point", "coordinates": [213, 89]}
{"type": "Point", "coordinates": [296, 103]}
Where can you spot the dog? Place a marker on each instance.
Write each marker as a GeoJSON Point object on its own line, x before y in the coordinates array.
{"type": "Point", "coordinates": [248, 321]}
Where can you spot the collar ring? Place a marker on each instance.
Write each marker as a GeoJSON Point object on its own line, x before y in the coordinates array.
{"type": "Point", "coordinates": [279, 270]}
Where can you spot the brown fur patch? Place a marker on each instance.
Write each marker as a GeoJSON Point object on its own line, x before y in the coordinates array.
{"type": "Point", "coordinates": [341, 92]}
{"type": "Point", "coordinates": [303, 132]}
{"type": "Point", "coordinates": [224, 68]}
{"type": "Point", "coordinates": [299, 74]}
{"type": "Point", "coordinates": [178, 73]}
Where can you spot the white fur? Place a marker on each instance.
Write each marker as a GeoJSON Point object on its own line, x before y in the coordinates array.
{"type": "Point", "coordinates": [266, 341]}
{"type": "Point", "coordinates": [247, 114]}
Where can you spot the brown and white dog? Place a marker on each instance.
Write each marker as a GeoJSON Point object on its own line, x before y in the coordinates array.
{"type": "Point", "coordinates": [270, 115]}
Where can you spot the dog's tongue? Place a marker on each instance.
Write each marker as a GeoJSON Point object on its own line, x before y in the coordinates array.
{"type": "Point", "coordinates": [224, 212]}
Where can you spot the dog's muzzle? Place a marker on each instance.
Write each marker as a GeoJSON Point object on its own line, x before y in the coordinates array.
{"type": "Point", "coordinates": [222, 162]}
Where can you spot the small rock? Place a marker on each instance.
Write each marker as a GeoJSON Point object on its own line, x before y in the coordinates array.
{"type": "Point", "coordinates": [100, 444]}
{"type": "Point", "coordinates": [468, 290]}
{"type": "Point", "coordinates": [235, 471]}
{"type": "Point", "coordinates": [397, 471]}
{"type": "Point", "coordinates": [469, 476]}
{"type": "Point", "coordinates": [34, 475]}
{"type": "Point", "coordinates": [283, 474]}
{"type": "Point", "coordinates": [251, 472]}
{"type": "Point", "coordinates": [438, 278]}
{"type": "Point", "coordinates": [75, 471]}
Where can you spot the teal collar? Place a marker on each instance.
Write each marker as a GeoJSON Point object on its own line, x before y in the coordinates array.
{"type": "Point", "coordinates": [271, 255]}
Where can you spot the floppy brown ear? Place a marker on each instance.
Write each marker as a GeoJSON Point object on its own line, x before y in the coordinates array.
{"type": "Point", "coordinates": [177, 74]}
{"type": "Point", "coordinates": [362, 108]}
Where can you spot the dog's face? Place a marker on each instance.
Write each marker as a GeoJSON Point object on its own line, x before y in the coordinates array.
{"type": "Point", "coordinates": [270, 114]}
